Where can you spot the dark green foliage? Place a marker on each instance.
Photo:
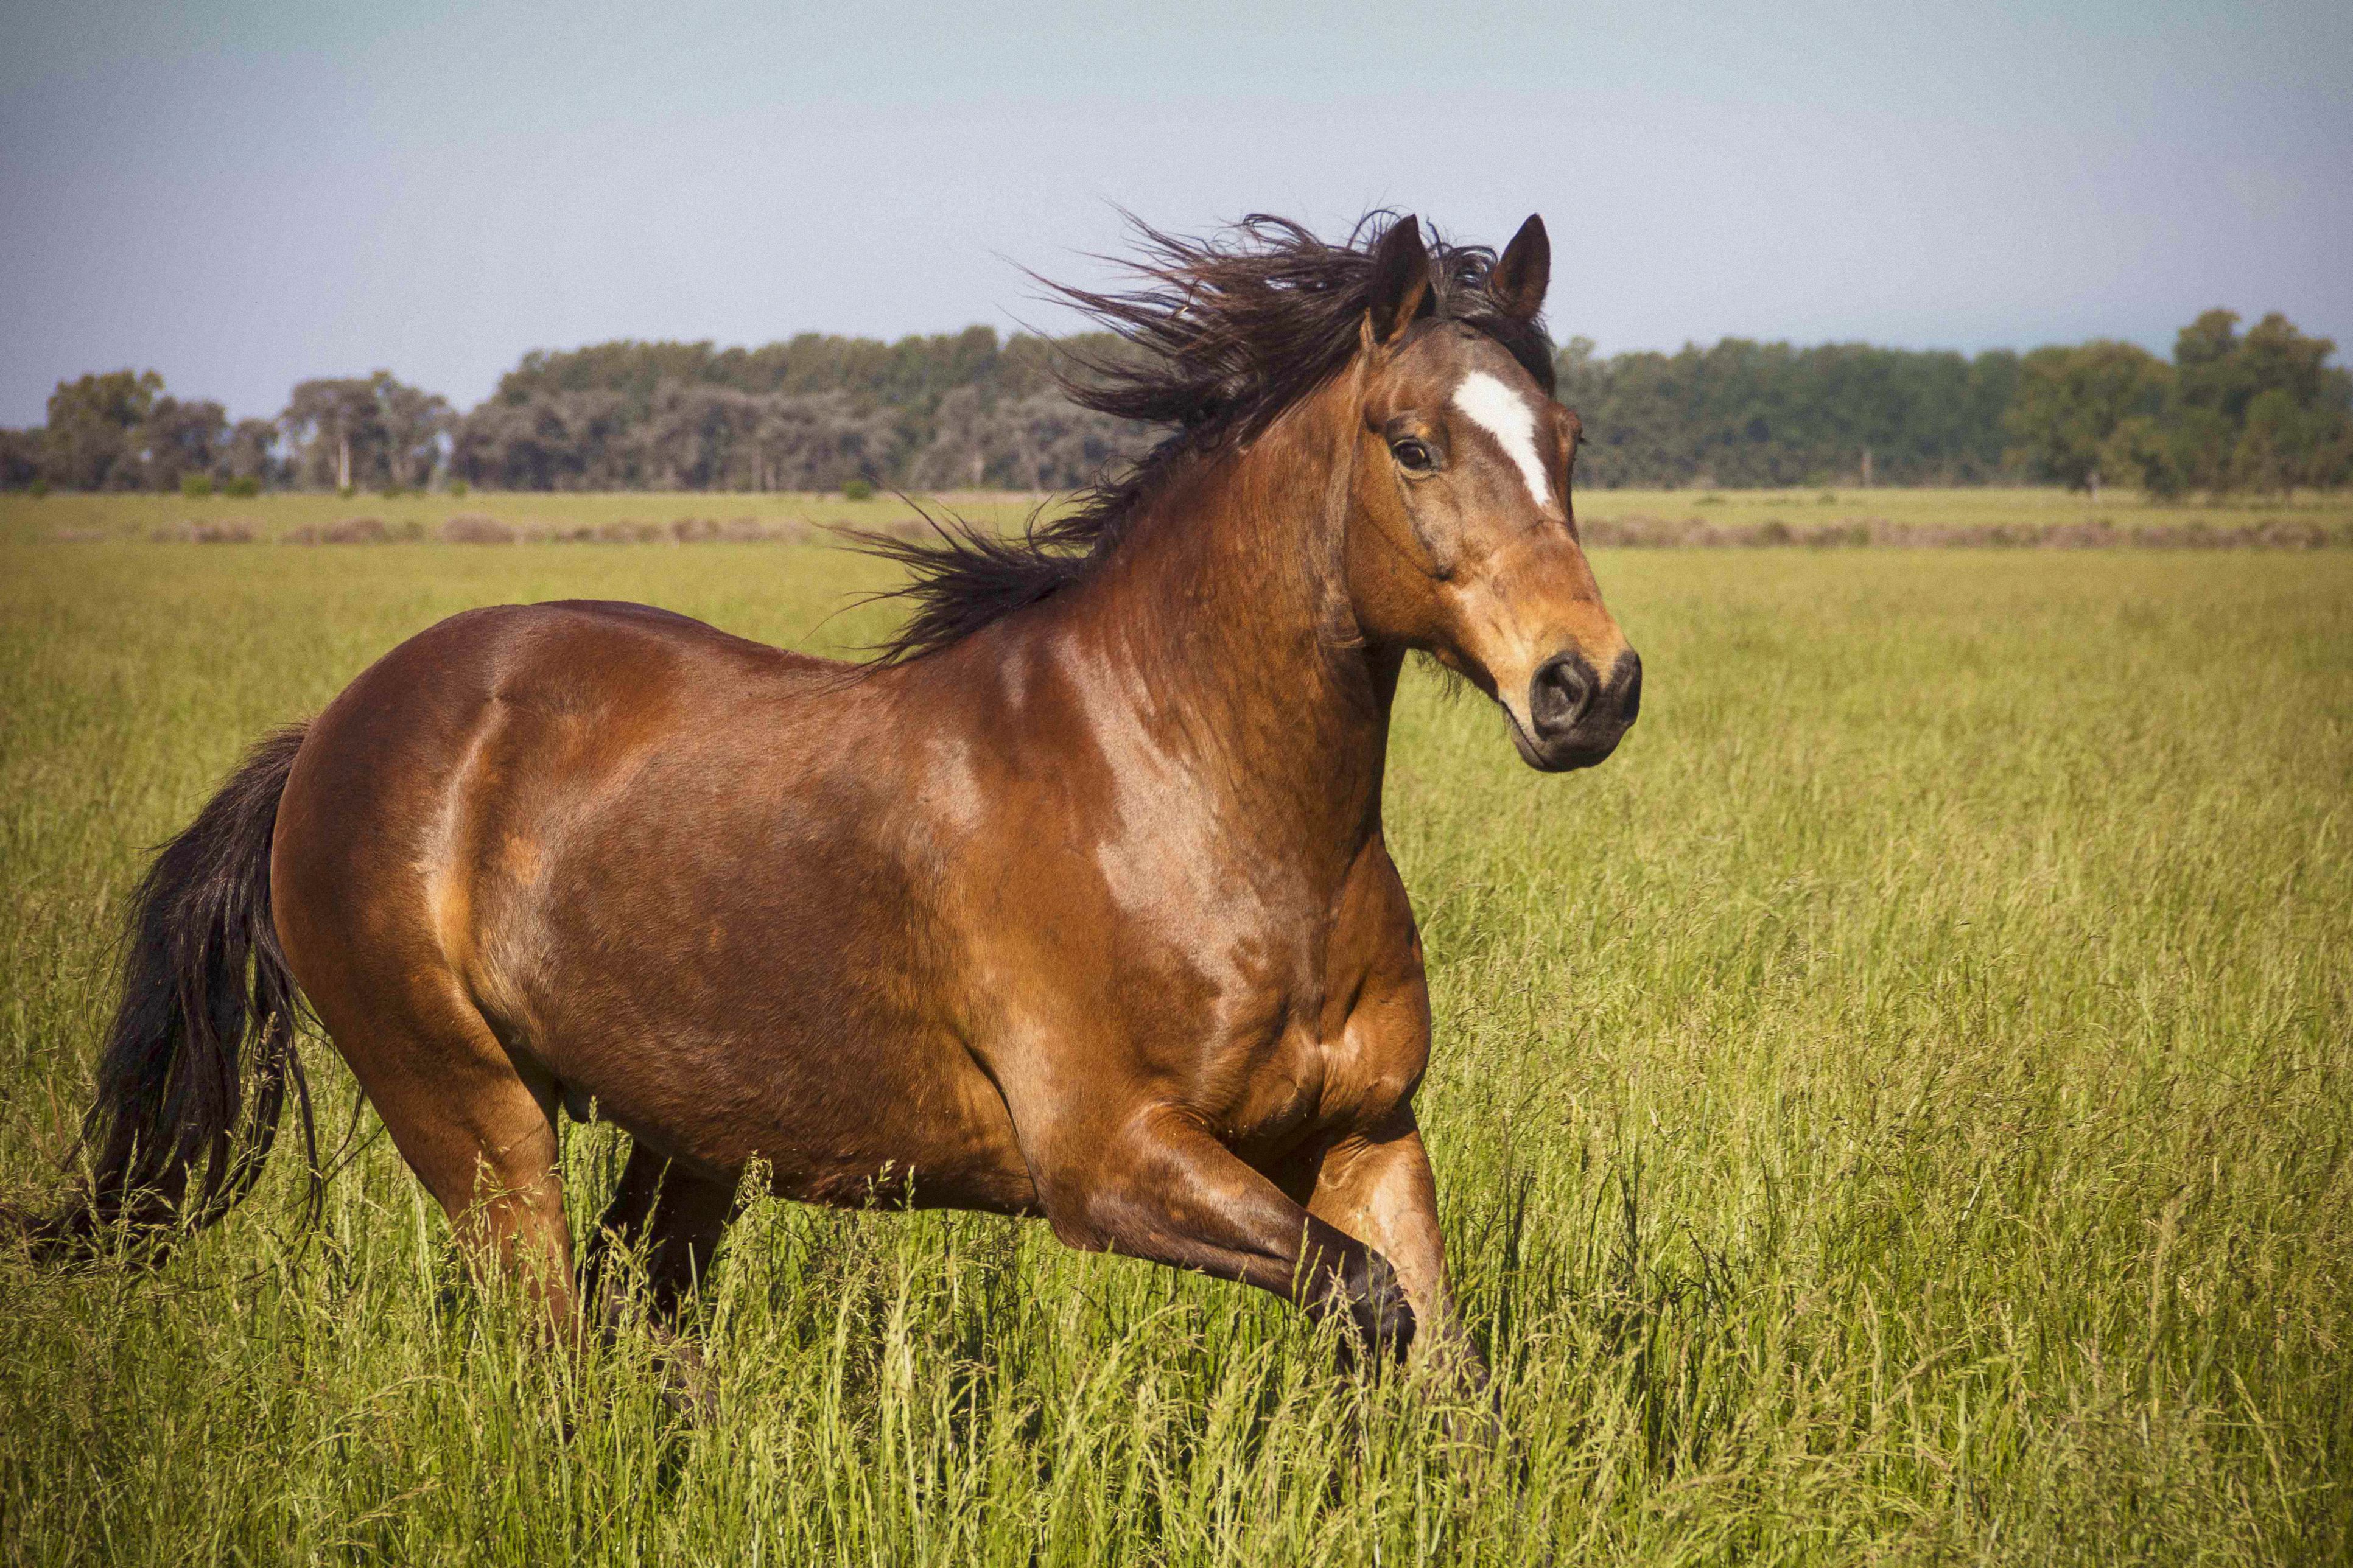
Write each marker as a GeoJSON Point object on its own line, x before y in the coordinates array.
{"type": "Point", "coordinates": [912, 371]}
{"type": "Point", "coordinates": [120, 431]}
{"type": "Point", "coordinates": [2072, 402]}
{"type": "Point", "coordinates": [360, 431]}
{"type": "Point", "coordinates": [250, 458]}
{"type": "Point", "coordinates": [815, 413]}
{"type": "Point", "coordinates": [92, 442]}
{"type": "Point", "coordinates": [1749, 414]}
{"type": "Point", "coordinates": [180, 442]}
{"type": "Point", "coordinates": [2263, 412]}
{"type": "Point", "coordinates": [20, 459]}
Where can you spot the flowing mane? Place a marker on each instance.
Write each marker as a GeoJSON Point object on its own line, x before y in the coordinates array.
{"type": "Point", "coordinates": [1223, 334]}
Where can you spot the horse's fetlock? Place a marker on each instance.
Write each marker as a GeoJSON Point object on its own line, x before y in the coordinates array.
{"type": "Point", "coordinates": [1384, 1315]}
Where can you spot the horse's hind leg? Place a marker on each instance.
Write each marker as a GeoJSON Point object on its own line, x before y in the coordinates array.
{"type": "Point", "coordinates": [477, 1128]}
{"type": "Point", "coordinates": [677, 1217]}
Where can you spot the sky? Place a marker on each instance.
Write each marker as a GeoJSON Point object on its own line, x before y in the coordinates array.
{"type": "Point", "coordinates": [242, 196]}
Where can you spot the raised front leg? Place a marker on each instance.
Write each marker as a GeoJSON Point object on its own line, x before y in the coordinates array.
{"type": "Point", "coordinates": [1160, 1186]}
{"type": "Point", "coordinates": [1376, 1187]}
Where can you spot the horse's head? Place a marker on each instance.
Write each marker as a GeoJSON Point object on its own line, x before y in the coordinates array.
{"type": "Point", "coordinates": [1460, 541]}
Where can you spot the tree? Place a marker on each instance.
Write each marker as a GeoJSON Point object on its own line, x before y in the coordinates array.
{"type": "Point", "coordinates": [414, 423]}
{"type": "Point", "coordinates": [373, 431]}
{"type": "Point", "coordinates": [20, 458]}
{"type": "Point", "coordinates": [1039, 441]}
{"type": "Point", "coordinates": [177, 440]}
{"type": "Point", "coordinates": [2264, 412]}
{"type": "Point", "coordinates": [550, 440]}
{"type": "Point", "coordinates": [2148, 454]}
{"type": "Point", "coordinates": [92, 442]}
{"type": "Point", "coordinates": [2274, 448]}
{"type": "Point", "coordinates": [325, 421]}
{"type": "Point", "coordinates": [250, 452]}
{"type": "Point", "coordinates": [2071, 401]}
{"type": "Point", "coordinates": [820, 441]}
{"type": "Point", "coordinates": [1770, 413]}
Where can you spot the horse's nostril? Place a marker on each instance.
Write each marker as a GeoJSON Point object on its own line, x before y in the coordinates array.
{"type": "Point", "coordinates": [1630, 680]}
{"type": "Point", "coordinates": [1560, 693]}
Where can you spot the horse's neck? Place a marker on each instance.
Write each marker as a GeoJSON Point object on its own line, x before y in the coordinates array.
{"type": "Point", "coordinates": [1226, 617]}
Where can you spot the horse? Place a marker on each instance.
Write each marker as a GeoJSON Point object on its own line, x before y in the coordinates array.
{"type": "Point", "coordinates": [1072, 901]}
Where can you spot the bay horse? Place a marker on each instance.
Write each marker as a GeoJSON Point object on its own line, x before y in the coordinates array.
{"type": "Point", "coordinates": [1072, 902]}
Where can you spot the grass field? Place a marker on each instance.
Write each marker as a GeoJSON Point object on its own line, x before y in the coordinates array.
{"type": "Point", "coordinates": [1897, 1109]}
{"type": "Point", "coordinates": [24, 518]}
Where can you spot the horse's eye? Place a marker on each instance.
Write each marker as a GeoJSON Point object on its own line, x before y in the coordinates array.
{"type": "Point", "coordinates": [1413, 456]}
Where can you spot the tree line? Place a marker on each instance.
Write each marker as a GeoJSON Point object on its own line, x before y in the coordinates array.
{"type": "Point", "coordinates": [2262, 410]}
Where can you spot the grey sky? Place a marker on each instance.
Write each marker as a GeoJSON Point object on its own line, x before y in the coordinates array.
{"type": "Point", "coordinates": [246, 195]}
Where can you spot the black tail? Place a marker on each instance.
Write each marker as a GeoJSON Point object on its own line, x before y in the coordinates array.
{"type": "Point", "coordinates": [198, 1062]}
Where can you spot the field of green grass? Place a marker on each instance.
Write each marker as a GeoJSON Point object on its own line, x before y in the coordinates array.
{"type": "Point", "coordinates": [26, 519]}
{"type": "Point", "coordinates": [1899, 1110]}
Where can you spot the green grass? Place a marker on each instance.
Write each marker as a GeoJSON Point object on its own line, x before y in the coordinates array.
{"type": "Point", "coordinates": [1898, 1109]}
{"type": "Point", "coordinates": [1964, 507]}
{"type": "Point", "coordinates": [24, 518]}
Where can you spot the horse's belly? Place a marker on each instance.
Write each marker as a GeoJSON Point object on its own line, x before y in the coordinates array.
{"type": "Point", "coordinates": [838, 1100]}
{"type": "Point", "coordinates": [826, 1128]}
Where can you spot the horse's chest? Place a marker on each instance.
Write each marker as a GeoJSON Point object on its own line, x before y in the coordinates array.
{"type": "Point", "coordinates": [1322, 1021]}
{"type": "Point", "coordinates": [1344, 1059]}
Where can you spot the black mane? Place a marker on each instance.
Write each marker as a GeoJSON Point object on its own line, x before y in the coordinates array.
{"type": "Point", "coordinates": [1223, 334]}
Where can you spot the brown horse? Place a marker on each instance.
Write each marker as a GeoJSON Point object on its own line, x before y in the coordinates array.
{"type": "Point", "coordinates": [1074, 904]}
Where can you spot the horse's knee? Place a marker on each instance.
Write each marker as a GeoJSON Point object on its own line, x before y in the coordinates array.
{"type": "Point", "coordinates": [1085, 1215]}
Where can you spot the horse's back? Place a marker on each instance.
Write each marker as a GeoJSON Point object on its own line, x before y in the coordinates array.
{"type": "Point", "coordinates": [482, 721]}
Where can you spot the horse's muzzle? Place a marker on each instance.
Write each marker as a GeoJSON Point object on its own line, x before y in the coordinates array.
{"type": "Point", "coordinates": [1575, 716]}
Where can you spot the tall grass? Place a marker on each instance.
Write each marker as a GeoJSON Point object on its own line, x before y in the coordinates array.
{"type": "Point", "coordinates": [1897, 1109]}
{"type": "Point", "coordinates": [26, 519]}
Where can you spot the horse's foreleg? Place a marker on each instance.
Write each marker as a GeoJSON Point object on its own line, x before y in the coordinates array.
{"type": "Point", "coordinates": [1160, 1186]}
{"type": "Point", "coordinates": [1376, 1184]}
{"type": "Point", "coordinates": [678, 1218]}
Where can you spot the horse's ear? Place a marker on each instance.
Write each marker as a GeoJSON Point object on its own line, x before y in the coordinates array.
{"type": "Point", "coordinates": [1400, 280]}
{"type": "Point", "coordinates": [1522, 272]}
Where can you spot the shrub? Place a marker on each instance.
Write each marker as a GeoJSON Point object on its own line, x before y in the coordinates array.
{"type": "Point", "coordinates": [473, 528]}
{"type": "Point", "coordinates": [458, 486]}
{"type": "Point", "coordinates": [40, 488]}
{"type": "Point", "coordinates": [195, 487]}
{"type": "Point", "coordinates": [857, 489]}
{"type": "Point", "coordinates": [242, 488]}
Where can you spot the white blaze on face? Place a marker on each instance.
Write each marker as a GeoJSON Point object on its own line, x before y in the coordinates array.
{"type": "Point", "coordinates": [1506, 415]}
